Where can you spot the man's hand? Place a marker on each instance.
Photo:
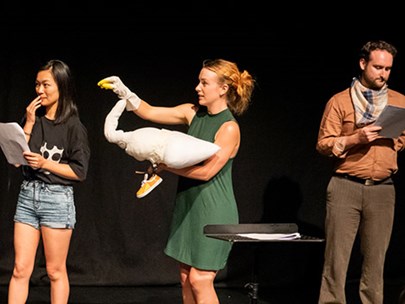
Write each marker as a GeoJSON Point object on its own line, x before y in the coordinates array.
{"type": "Point", "coordinates": [369, 133]}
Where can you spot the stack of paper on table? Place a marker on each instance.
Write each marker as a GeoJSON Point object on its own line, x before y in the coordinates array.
{"type": "Point", "coordinates": [271, 236]}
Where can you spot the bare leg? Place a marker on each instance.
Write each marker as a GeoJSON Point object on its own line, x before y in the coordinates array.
{"type": "Point", "coordinates": [198, 285]}
{"type": "Point", "coordinates": [56, 247]}
{"type": "Point", "coordinates": [187, 293]}
{"type": "Point", "coordinates": [202, 284]}
{"type": "Point", "coordinates": [26, 240]}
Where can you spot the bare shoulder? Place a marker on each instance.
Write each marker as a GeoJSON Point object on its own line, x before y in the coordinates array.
{"type": "Point", "coordinates": [187, 111]}
{"type": "Point", "coordinates": [230, 127]}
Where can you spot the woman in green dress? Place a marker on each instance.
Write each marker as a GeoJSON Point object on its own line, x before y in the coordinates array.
{"type": "Point", "coordinates": [205, 192]}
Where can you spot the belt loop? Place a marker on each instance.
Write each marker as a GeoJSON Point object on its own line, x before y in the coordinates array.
{"type": "Point", "coordinates": [369, 182]}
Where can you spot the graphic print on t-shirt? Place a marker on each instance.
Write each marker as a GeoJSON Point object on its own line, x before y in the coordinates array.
{"type": "Point", "coordinates": [53, 154]}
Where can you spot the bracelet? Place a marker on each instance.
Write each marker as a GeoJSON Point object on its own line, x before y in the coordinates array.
{"type": "Point", "coordinates": [26, 133]}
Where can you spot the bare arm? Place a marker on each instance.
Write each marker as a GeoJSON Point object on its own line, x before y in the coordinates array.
{"type": "Point", "coordinates": [182, 114]}
{"type": "Point", "coordinates": [36, 161]}
{"type": "Point", "coordinates": [228, 138]}
{"type": "Point", "coordinates": [30, 117]}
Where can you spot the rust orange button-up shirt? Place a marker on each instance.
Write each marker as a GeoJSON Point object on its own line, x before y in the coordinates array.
{"type": "Point", "coordinates": [376, 160]}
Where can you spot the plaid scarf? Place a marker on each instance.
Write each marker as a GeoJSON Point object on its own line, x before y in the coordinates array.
{"type": "Point", "coordinates": [368, 103]}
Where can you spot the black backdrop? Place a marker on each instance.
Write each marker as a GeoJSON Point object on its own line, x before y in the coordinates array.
{"type": "Point", "coordinates": [299, 61]}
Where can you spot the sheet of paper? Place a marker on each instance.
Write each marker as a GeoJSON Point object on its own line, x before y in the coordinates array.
{"type": "Point", "coordinates": [13, 143]}
{"type": "Point", "coordinates": [392, 121]}
{"type": "Point", "coordinates": [272, 236]}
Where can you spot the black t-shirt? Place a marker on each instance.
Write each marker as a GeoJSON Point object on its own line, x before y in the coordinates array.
{"type": "Point", "coordinates": [65, 143]}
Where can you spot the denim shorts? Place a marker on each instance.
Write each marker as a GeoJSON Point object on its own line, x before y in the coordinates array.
{"type": "Point", "coordinates": [40, 204]}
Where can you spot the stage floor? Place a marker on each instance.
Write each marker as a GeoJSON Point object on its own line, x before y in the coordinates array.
{"type": "Point", "coordinates": [151, 295]}
{"type": "Point", "coordinates": [172, 295]}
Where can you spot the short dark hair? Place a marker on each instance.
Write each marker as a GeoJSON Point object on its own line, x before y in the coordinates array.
{"type": "Point", "coordinates": [377, 45]}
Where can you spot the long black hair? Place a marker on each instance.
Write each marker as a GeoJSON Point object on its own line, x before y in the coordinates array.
{"type": "Point", "coordinates": [67, 91]}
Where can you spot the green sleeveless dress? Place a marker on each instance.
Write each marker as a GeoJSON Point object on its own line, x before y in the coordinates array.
{"type": "Point", "coordinates": [199, 203]}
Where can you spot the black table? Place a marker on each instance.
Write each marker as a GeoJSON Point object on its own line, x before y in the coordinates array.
{"type": "Point", "coordinates": [237, 233]}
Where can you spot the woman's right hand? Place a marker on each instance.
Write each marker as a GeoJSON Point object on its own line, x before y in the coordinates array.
{"type": "Point", "coordinates": [32, 108]}
{"type": "Point", "coordinates": [30, 116]}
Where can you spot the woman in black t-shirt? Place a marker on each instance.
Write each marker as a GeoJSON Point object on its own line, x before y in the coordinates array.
{"type": "Point", "coordinates": [58, 157]}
